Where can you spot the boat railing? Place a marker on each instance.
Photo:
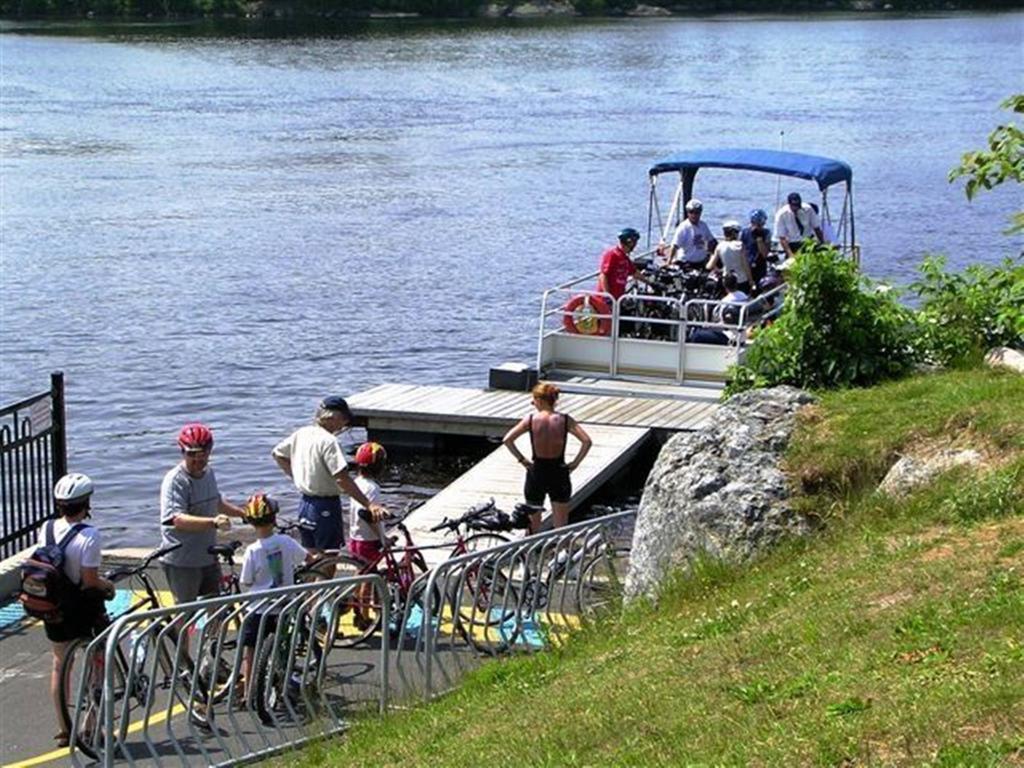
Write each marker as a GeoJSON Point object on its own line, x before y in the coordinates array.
{"type": "Point", "coordinates": [645, 335]}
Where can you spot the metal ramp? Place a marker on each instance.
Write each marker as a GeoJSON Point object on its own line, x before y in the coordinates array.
{"type": "Point", "coordinates": [499, 476]}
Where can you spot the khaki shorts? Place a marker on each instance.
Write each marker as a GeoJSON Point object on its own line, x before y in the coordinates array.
{"type": "Point", "coordinates": [189, 584]}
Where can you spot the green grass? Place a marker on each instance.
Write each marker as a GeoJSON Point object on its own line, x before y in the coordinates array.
{"type": "Point", "coordinates": [893, 637]}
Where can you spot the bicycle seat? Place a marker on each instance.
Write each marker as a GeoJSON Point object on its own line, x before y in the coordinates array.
{"type": "Point", "coordinates": [226, 551]}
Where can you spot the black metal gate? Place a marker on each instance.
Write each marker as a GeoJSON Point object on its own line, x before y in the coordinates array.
{"type": "Point", "coordinates": [33, 455]}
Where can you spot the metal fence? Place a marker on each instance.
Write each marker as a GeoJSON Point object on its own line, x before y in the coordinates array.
{"type": "Point", "coordinates": [164, 686]}
{"type": "Point", "coordinates": [522, 597]}
{"type": "Point", "coordinates": [33, 454]}
{"type": "Point", "coordinates": [167, 685]}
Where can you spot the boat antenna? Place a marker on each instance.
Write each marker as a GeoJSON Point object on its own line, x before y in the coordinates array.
{"type": "Point", "coordinates": [778, 180]}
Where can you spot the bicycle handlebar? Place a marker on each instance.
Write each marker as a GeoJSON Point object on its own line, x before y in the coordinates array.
{"type": "Point", "coordinates": [287, 526]}
{"type": "Point", "coordinates": [120, 573]}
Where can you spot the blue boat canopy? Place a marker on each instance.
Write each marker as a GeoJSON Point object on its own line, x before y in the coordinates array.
{"type": "Point", "coordinates": [822, 170]}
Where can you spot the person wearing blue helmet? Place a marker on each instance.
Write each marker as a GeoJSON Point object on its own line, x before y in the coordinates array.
{"type": "Point", "coordinates": [757, 239]}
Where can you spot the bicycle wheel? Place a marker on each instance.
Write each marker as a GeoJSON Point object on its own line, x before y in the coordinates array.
{"type": "Point", "coordinates": [412, 620]}
{"type": "Point", "coordinates": [359, 612]}
{"type": "Point", "coordinates": [81, 695]}
{"type": "Point", "coordinates": [484, 606]}
{"type": "Point", "coordinates": [478, 542]}
{"type": "Point", "coordinates": [599, 589]}
{"type": "Point", "coordinates": [278, 695]}
{"type": "Point", "coordinates": [324, 568]}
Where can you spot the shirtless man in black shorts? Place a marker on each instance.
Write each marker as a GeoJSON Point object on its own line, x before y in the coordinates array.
{"type": "Point", "coordinates": [547, 474]}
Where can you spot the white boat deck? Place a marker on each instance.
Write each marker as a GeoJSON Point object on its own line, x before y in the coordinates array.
{"type": "Point", "coordinates": [500, 476]}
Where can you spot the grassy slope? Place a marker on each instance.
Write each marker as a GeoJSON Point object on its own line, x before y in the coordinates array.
{"type": "Point", "coordinates": [895, 637]}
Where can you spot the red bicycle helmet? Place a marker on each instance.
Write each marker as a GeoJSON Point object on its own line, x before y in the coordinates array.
{"type": "Point", "coordinates": [371, 455]}
{"type": "Point", "coordinates": [195, 437]}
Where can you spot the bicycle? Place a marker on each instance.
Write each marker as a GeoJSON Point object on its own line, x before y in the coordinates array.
{"type": "Point", "coordinates": [133, 683]}
{"type": "Point", "coordinates": [401, 567]}
{"type": "Point", "coordinates": [212, 688]}
{"type": "Point", "coordinates": [585, 568]}
{"type": "Point", "coordinates": [287, 666]}
{"type": "Point", "coordinates": [482, 597]}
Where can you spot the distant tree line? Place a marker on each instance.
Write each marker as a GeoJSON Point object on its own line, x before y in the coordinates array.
{"type": "Point", "coordinates": [342, 9]}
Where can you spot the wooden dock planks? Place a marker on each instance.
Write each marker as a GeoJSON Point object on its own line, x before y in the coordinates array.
{"type": "Point", "coordinates": [499, 476]}
{"type": "Point", "coordinates": [455, 410]}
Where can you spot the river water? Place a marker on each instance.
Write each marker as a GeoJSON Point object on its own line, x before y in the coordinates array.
{"type": "Point", "coordinates": [226, 221]}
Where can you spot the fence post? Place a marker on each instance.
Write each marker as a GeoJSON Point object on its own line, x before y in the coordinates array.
{"type": "Point", "coordinates": [60, 440]}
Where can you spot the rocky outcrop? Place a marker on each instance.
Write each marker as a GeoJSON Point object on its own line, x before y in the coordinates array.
{"type": "Point", "coordinates": [1005, 357]}
{"type": "Point", "coordinates": [911, 472]}
{"type": "Point", "coordinates": [644, 11]}
{"type": "Point", "coordinates": [528, 10]}
{"type": "Point", "coordinates": [718, 491]}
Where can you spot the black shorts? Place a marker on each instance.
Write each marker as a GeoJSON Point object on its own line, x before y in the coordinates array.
{"type": "Point", "coordinates": [251, 628]}
{"type": "Point", "coordinates": [549, 477]}
{"type": "Point", "coordinates": [84, 617]}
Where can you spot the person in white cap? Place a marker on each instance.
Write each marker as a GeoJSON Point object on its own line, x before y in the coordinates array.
{"type": "Point", "coordinates": [730, 257]}
{"type": "Point", "coordinates": [692, 237]}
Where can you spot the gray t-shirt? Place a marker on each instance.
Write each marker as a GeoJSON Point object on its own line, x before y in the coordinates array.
{"type": "Point", "coordinates": [180, 494]}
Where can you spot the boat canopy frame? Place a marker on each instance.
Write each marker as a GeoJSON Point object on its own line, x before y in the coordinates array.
{"type": "Point", "coordinates": [825, 172]}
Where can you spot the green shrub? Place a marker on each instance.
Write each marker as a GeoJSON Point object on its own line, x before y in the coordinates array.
{"type": "Point", "coordinates": [836, 329]}
{"type": "Point", "coordinates": [963, 315]}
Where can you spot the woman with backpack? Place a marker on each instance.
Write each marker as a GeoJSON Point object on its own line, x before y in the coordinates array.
{"type": "Point", "coordinates": [65, 588]}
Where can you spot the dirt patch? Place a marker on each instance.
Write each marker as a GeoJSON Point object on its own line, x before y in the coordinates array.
{"type": "Point", "coordinates": [889, 600]}
{"type": "Point", "coordinates": [985, 541]}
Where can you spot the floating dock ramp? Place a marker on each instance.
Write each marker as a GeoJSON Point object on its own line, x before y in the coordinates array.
{"type": "Point", "coordinates": [500, 476]}
{"type": "Point", "coordinates": [619, 424]}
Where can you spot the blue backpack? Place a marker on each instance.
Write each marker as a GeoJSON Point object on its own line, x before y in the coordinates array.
{"type": "Point", "coordinates": [45, 586]}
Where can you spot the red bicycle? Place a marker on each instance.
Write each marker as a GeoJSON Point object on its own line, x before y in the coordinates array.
{"type": "Point", "coordinates": [401, 565]}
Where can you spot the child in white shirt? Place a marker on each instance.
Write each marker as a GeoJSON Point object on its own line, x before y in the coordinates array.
{"type": "Point", "coordinates": [364, 537]}
{"type": "Point", "coordinates": [268, 563]}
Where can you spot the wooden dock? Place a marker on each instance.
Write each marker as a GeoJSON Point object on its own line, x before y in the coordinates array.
{"type": "Point", "coordinates": [490, 413]}
{"type": "Point", "coordinates": [619, 418]}
{"type": "Point", "coordinates": [500, 476]}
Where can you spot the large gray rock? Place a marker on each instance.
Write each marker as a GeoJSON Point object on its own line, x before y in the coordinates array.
{"type": "Point", "coordinates": [911, 472]}
{"type": "Point", "coordinates": [1005, 357]}
{"type": "Point", "coordinates": [718, 491]}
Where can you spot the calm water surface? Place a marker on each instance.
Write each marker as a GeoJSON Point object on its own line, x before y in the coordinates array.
{"type": "Point", "coordinates": [223, 224]}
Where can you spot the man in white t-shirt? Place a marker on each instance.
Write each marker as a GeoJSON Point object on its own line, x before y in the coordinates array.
{"type": "Point", "coordinates": [693, 238]}
{"type": "Point", "coordinates": [84, 615]}
{"type": "Point", "coordinates": [796, 223]}
{"type": "Point", "coordinates": [313, 459]}
{"type": "Point", "coordinates": [730, 256]}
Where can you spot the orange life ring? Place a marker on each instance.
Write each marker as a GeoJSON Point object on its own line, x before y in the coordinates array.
{"type": "Point", "coordinates": [589, 315]}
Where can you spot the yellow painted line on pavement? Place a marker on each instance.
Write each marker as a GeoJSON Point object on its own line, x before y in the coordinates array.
{"type": "Point", "coordinates": [64, 752]}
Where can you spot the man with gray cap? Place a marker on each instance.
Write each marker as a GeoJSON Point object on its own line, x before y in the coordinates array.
{"type": "Point", "coordinates": [313, 459]}
{"type": "Point", "coordinates": [795, 222]}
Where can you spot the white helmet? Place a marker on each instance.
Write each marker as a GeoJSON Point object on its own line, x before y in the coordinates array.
{"type": "Point", "coordinates": [731, 224]}
{"type": "Point", "coordinates": [694, 205]}
{"type": "Point", "coordinates": [74, 486]}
